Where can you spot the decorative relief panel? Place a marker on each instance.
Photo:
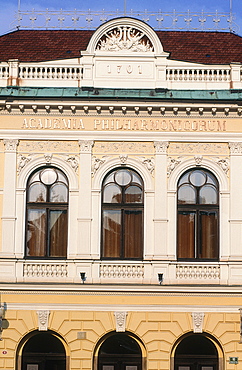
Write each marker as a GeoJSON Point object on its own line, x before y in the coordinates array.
{"type": "Point", "coordinates": [43, 318]}
{"type": "Point", "coordinates": [149, 163]}
{"type": "Point", "coordinates": [235, 148]}
{"type": "Point", "coordinates": [85, 146]}
{"type": "Point", "coordinates": [120, 320]}
{"type": "Point", "coordinates": [73, 161]}
{"type": "Point", "coordinates": [201, 148]}
{"type": "Point", "coordinates": [224, 164]}
{"type": "Point", "coordinates": [48, 146]}
{"type": "Point", "coordinates": [125, 38]}
{"type": "Point", "coordinates": [97, 163]}
{"type": "Point", "coordinates": [11, 145]}
{"type": "Point", "coordinates": [22, 161]}
{"type": "Point", "coordinates": [123, 147]}
{"type": "Point", "coordinates": [197, 318]}
{"type": "Point", "coordinates": [173, 162]}
{"type": "Point", "coordinates": [161, 146]}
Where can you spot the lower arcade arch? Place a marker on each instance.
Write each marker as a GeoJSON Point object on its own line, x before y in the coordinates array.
{"type": "Point", "coordinates": [42, 350]}
{"type": "Point", "coordinates": [119, 351]}
{"type": "Point", "coordinates": [197, 352]}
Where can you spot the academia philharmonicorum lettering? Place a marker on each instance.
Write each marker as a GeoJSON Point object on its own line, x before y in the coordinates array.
{"type": "Point", "coordinates": [125, 124]}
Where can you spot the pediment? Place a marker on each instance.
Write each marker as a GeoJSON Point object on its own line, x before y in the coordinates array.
{"type": "Point", "coordinates": [124, 36]}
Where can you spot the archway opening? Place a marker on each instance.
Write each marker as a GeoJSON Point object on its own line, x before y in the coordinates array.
{"type": "Point", "coordinates": [196, 352]}
{"type": "Point", "coordinates": [120, 352]}
{"type": "Point", "coordinates": [43, 351]}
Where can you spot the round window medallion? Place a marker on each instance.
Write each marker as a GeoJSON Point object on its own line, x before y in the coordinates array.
{"type": "Point", "coordinates": [122, 177]}
{"type": "Point", "coordinates": [48, 176]}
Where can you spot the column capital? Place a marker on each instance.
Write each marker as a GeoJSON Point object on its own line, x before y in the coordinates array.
{"type": "Point", "coordinates": [235, 148]}
{"type": "Point", "coordinates": [161, 147]}
{"type": "Point", "coordinates": [10, 145]}
{"type": "Point", "coordinates": [86, 146]}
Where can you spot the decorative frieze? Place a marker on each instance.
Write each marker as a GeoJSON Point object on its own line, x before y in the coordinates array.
{"type": "Point", "coordinates": [123, 147]}
{"type": "Point", "coordinates": [48, 146]}
{"type": "Point", "coordinates": [197, 319]}
{"type": "Point", "coordinates": [201, 148]}
{"type": "Point", "coordinates": [86, 146]}
{"type": "Point", "coordinates": [120, 317]}
{"type": "Point", "coordinates": [43, 319]}
{"type": "Point", "coordinates": [161, 146]}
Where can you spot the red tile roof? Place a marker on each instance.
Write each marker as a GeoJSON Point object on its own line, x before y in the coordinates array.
{"type": "Point", "coordinates": [44, 45]}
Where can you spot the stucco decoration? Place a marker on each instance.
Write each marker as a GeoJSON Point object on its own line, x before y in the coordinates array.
{"type": "Point", "coordinates": [86, 146]}
{"type": "Point", "coordinates": [72, 160]}
{"type": "Point", "coordinates": [120, 317]}
{"type": "Point", "coordinates": [10, 145]}
{"type": "Point", "coordinates": [149, 163]}
{"type": "Point", "coordinates": [48, 157]}
{"type": "Point", "coordinates": [123, 158]}
{"type": "Point", "coordinates": [161, 146]}
{"type": "Point", "coordinates": [235, 148]}
{"type": "Point", "coordinates": [197, 318]}
{"type": "Point", "coordinates": [173, 162]}
{"type": "Point", "coordinates": [198, 160]}
{"type": "Point", "coordinates": [43, 319]}
{"type": "Point", "coordinates": [22, 161]}
{"type": "Point", "coordinates": [97, 163]}
{"type": "Point", "coordinates": [125, 38]}
{"type": "Point", "coordinates": [223, 163]}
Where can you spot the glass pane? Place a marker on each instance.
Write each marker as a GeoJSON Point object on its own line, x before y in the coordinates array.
{"type": "Point", "coordinates": [136, 178]}
{"type": "Point", "coordinates": [186, 195]}
{"type": "Point", "coordinates": [34, 178]}
{"type": "Point", "coordinates": [186, 234]}
{"type": "Point", "coordinates": [184, 179]}
{"type": "Point", "coordinates": [111, 233]}
{"type": "Point", "coordinates": [36, 233]}
{"type": "Point", "coordinates": [122, 177]}
{"type": "Point", "coordinates": [209, 234]}
{"type": "Point", "coordinates": [58, 193]}
{"type": "Point", "coordinates": [112, 194]}
{"type": "Point", "coordinates": [133, 195]}
{"type": "Point", "coordinates": [211, 179]}
{"type": "Point", "coordinates": [198, 178]}
{"type": "Point", "coordinates": [208, 195]}
{"type": "Point", "coordinates": [62, 178]}
{"type": "Point", "coordinates": [110, 178]}
{"type": "Point", "coordinates": [133, 234]}
{"type": "Point", "coordinates": [37, 193]}
{"type": "Point", "coordinates": [58, 233]}
{"type": "Point", "coordinates": [48, 176]}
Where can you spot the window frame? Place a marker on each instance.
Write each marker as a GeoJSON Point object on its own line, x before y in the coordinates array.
{"type": "Point", "coordinates": [123, 207]}
{"type": "Point", "coordinates": [197, 208]}
{"type": "Point", "coordinates": [47, 206]}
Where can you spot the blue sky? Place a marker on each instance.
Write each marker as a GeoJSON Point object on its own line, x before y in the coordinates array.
{"type": "Point", "coordinates": [9, 8]}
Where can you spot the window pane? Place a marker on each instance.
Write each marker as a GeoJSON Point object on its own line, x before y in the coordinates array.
{"type": "Point", "coordinates": [186, 195]}
{"type": "Point", "coordinates": [186, 234]}
{"type": "Point", "coordinates": [136, 178]}
{"type": "Point", "coordinates": [133, 195]}
{"type": "Point", "coordinates": [58, 233]}
{"type": "Point", "coordinates": [209, 234]}
{"type": "Point", "coordinates": [48, 176]}
{"type": "Point", "coordinates": [111, 233]}
{"type": "Point", "coordinates": [198, 178]}
{"type": "Point", "coordinates": [133, 234]}
{"type": "Point", "coordinates": [37, 193]}
{"type": "Point", "coordinates": [208, 195]}
{"type": "Point", "coordinates": [36, 233]}
{"type": "Point", "coordinates": [112, 194]}
{"type": "Point", "coordinates": [122, 177]}
{"type": "Point", "coordinates": [58, 193]}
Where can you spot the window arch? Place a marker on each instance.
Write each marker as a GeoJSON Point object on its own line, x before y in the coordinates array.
{"type": "Point", "coordinates": [46, 216]}
{"type": "Point", "coordinates": [122, 215]}
{"type": "Point", "coordinates": [198, 212]}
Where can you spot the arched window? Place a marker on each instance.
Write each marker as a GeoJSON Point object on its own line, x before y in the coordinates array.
{"type": "Point", "coordinates": [122, 215]}
{"type": "Point", "coordinates": [47, 206]}
{"type": "Point", "coordinates": [198, 211]}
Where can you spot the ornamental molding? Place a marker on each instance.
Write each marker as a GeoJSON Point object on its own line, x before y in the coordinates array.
{"type": "Point", "coordinates": [235, 148]}
{"type": "Point", "coordinates": [48, 157]}
{"type": "Point", "coordinates": [124, 147]}
{"type": "Point", "coordinates": [197, 319]}
{"type": "Point", "coordinates": [125, 39]}
{"type": "Point", "coordinates": [22, 160]}
{"type": "Point", "coordinates": [73, 161]}
{"type": "Point", "coordinates": [201, 148]}
{"type": "Point", "coordinates": [86, 146]}
{"type": "Point", "coordinates": [10, 145]}
{"type": "Point", "coordinates": [43, 319]}
{"type": "Point", "coordinates": [198, 160]}
{"type": "Point", "coordinates": [161, 147]}
{"type": "Point", "coordinates": [120, 317]}
{"type": "Point", "coordinates": [224, 164]}
{"type": "Point", "coordinates": [173, 162]}
{"type": "Point", "coordinates": [97, 163]}
{"type": "Point", "coordinates": [149, 163]}
{"type": "Point", "coordinates": [123, 158]}
{"type": "Point", "coordinates": [48, 146]}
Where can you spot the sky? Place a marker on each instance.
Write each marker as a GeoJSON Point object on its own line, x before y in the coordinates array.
{"type": "Point", "coordinates": [8, 8]}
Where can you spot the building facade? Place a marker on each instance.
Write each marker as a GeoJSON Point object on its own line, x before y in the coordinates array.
{"type": "Point", "coordinates": [120, 199]}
